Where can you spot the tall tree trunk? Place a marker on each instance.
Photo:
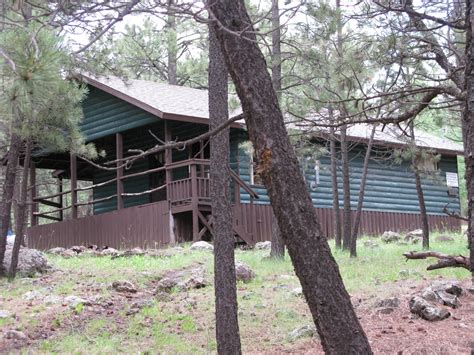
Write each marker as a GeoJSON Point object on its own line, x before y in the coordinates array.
{"type": "Point", "coordinates": [346, 188]}
{"type": "Point", "coordinates": [328, 300]}
{"type": "Point", "coordinates": [468, 129]}
{"type": "Point", "coordinates": [7, 195]}
{"type": "Point", "coordinates": [22, 212]}
{"type": "Point", "coordinates": [360, 202]}
{"type": "Point", "coordinates": [425, 227]}
{"type": "Point", "coordinates": [335, 188]}
{"type": "Point", "coordinates": [278, 246]}
{"type": "Point", "coordinates": [172, 44]}
{"type": "Point", "coordinates": [227, 326]}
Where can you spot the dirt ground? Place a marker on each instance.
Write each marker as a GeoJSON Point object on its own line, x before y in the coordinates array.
{"type": "Point", "coordinates": [395, 333]}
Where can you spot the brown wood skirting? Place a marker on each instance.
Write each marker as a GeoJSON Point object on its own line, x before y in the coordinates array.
{"type": "Point", "coordinates": [148, 226]}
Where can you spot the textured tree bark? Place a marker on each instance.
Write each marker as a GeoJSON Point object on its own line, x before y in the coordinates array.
{"type": "Point", "coordinates": [278, 246]}
{"type": "Point", "coordinates": [346, 188]}
{"type": "Point", "coordinates": [328, 300]}
{"type": "Point", "coordinates": [172, 45]}
{"type": "Point", "coordinates": [227, 326]}
{"type": "Point", "coordinates": [22, 212]}
{"type": "Point", "coordinates": [468, 130]}
{"type": "Point", "coordinates": [425, 227]}
{"type": "Point", "coordinates": [335, 189]}
{"type": "Point", "coordinates": [7, 195]}
{"type": "Point", "coordinates": [360, 202]}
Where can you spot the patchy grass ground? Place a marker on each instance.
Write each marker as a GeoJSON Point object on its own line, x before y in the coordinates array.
{"type": "Point", "coordinates": [268, 310]}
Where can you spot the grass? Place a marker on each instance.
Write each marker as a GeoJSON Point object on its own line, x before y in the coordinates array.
{"type": "Point", "coordinates": [268, 310]}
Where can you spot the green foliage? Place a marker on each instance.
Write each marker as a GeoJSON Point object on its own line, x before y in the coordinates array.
{"type": "Point", "coordinates": [40, 103]}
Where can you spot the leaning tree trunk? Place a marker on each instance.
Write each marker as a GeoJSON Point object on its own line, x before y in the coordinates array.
{"type": "Point", "coordinates": [328, 300]}
{"type": "Point", "coordinates": [7, 195]}
{"type": "Point", "coordinates": [278, 246]}
{"type": "Point", "coordinates": [335, 189]}
{"type": "Point", "coordinates": [346, 188]}
{"type": "Point", "coordinates": [21, 218]}
{"type": "Point", "coordinates": [227, 326]}
{"type": "Point", "coordinates": [360, 202]}
{"type": "Point", "coordinates": [468, 129]}
{"type": "Point", "coordinates": [425, 227]}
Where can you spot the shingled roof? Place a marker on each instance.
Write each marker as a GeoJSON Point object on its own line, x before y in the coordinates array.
{"type": "Point", "coordinates": [163, 100]}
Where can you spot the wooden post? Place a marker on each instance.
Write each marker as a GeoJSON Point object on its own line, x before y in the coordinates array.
{"type": "Point", "coordinates": [194, 202]}
{"type": "Point", "coordinates": [168, 157]}
{"type": "Point", "coordinates": [73, 186]}
{"type": "Point", "coordinates": [34, 205]}
{"type": "Point", "coordinates": [119, 156]}
{"type": "Point", "coordinates": [60, 198]}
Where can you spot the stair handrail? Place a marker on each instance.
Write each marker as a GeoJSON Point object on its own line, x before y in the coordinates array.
{"type": "Point", "coordinates": [243, 184]}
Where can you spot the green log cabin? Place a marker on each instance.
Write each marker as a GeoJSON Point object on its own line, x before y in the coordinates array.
{"type": "Point", "coordinates": [164, 198]}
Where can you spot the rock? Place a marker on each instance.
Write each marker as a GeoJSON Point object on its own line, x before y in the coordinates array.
{"type": "Point", "coordinates": [370, 244]}
{"type": "Point", "coordinates": [427, 310]}
{"type": "Point", "coordinates": [32, 295]}
{"type": "Point", "coordinates": [124, 286]}
{"type": "Point", "coordinates": [163, 297]}
{"type": "Point", "coordinates": [392, 302]}
{"type": "Point", "coordinates": [267, 245]}
{"type": "Point", "coordinates": [15, 334]}
{"type": "Point", "coordinates": [298, 291]}
{"type": "Point", "coordinates": [4, 314]}
{"type": "Point", "coordinates": [68, 253]}
{"type": "Point", "coordinates": [141, 304]}
{"type": "Point", "coordinates": [166, 284]}
{"type": "Point", "coordinates": [443, 292]}
{"type": "Point", "coordinates": [390, 237]}
{"type": "Point", "coordinates": [196, 281]}
{"type": "Point", "coordinates": [30, 261]}
{"type": "Point", "coordinates": [73, 301]}
{"type": "Point", "coordinates": [414, 235]}
{"type": "Point", "coordinates": [444, 238]}
{"type": "Point", "coordinates": [52, 299]}
{"type": "Point", "coordinates": [109, 251]}
{"type": "Point", "coordinates": [243, 272]}
{"type": "Point", "coordinates": [302, 332]}
{"type": "Point", "coordinates": [56, 251]}
{"type": "Point", "coordinates": [78, 249]}
{"type": "Point", "coordinates": [385, 310]}
{"type": "Point", "coordinates": [202, 246]}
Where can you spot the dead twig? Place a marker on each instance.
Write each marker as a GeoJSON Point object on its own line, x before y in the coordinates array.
{"type": "Point", "coordinates": [443, 259]}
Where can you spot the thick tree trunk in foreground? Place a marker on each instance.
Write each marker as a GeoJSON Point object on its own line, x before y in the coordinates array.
{"type": "Point", "coordinates": [360, 202]}
{"type": "Point", "coordinates": [7, 195]}
{"type": "Point", "coordinates": [335, 189]}
{"type": "Point", "coordinates": [22, 212]}
{"type": "Point", "coordinates": [227, 326]}
{"type": "Point", "coordinates": [278, 246]}
{"type": "Point", "coordinates": [425, 227]}
{"type": "Point", "coordinates": [346, 188]}
{"type": "Point", "coordinates": [328, 300]}
{"type": "Point", "coordinates": [468, 129]}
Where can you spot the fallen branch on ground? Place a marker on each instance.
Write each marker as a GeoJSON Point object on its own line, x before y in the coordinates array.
{"type": "Point", "coordinates": [444, 260]}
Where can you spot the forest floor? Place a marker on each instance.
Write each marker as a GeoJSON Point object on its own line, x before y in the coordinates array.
{"type": "Point", "coordinates": [183, 321]}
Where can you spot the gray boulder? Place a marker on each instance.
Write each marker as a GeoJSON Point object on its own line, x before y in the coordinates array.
{"type": "Point", "coordinates": [15, 335]}
{"type": "Point", "coordinates": [4, 314]}
{"type": "Point", "coordinates": [443, 292]}
{"type": "Point", "coordinates": [243, 272]}
{"type": "Point", "coordinates": [390, 237]}
{"type": "Point", "coordinates": [414, 236]}
{"type": "Point", "coordinates": [305, 331]}
{"type": "Point", "coordinates": [56, 251]}
{"type": "Point", "coordinates": [166, 284]}
{"type": "Point", "coordinates": [124, 286]}
{"type": "Point", "coordinates": [30, 261]}
{"type": "Point", "coordinates": [267, 245]}
{"type": "Point", "coordinates": [109, 252]}
{"type": "Point", "coordinates": [427, 310]}
{"type": "Point", "coordinates": [392, 302]}
{"type": "Point", "coordinates": [202, 246]}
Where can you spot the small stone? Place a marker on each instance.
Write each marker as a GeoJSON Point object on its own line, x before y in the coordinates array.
{"type": "Point", "coordinates": [260, 306]}
{"type": "Point", "coordinates": [302, 332]}
{"type": "Point", "coordinates": [32, 295]}
{"type": "Point", "coordinates": [390, 237]}
{"type": "Point", "coordinates": [124, 286]}
{"type": "Point", "coordinates": [385, 310]}
{"type": "Point", "coordinates": [15, 334]}
{"type": "Point", "coordinates": [243, 272]}
{"type": "Point", "coordinates": [267, 245]}
{"type": "Point", "coordinates": [68, 253]}
{"type": "Point", "coordinates": [109, 252]}
{"type": "Point", "coordinates": [4, 314]}
{"type": "Point", "coordinates": [142, 304]}
{"type": "Point", "coordinates": [73, 301]}
{"type": "Point", "coordinates": [163, 297]}
{"type": "Point", "coordinates": [202, 246]}
{"type": "Point", "coordinates": [78, 249]}
{"type": "Point", "coordinates": [56, 251]}
{"type": "Point", "coordinates": [166, 284]}
{"type": "Point", "coordinates": [52, 299]}
{"type": "Point", "coordinates": [392, 302]}
{"type": "Point", "coordinates": [247, 295]}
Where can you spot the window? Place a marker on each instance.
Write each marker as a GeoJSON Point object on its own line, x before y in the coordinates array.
{"type": "Point", "coordinates": [428, 163]}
